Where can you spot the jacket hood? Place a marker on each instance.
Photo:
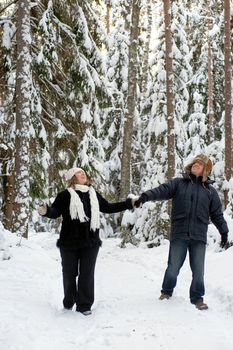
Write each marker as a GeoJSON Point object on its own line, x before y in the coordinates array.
{"type": "Point", "coordinates": [207, 166]}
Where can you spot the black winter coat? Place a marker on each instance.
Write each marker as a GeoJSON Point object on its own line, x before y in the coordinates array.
{"type": "Point", "coordinates": [75, 234]}
{"type": "Point", "coordinates": [193, 203]}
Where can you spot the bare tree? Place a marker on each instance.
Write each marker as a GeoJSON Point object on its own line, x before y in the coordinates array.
{"type": "Point", "coordinates": [131, 102]}
{"type": "Point", "coordinates": [169, 90]}
{"type": "Point", "coordinates": [23, 93]}
{"type": "Point", "coordinates": [227, 93]}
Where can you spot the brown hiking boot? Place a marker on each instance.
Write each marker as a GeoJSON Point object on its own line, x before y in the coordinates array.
{"type": "Point", "coordinates": [164, 296]}
{"type": "Point", "coordinates": [200, 305]}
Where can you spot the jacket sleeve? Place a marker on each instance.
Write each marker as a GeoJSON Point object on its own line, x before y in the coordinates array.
{"type": "Point", "coordinates": [216, 213]}
{"type": "Point", "coordinates": [162, 192]}
{"type": "Point", "coordinates": [55, 210]}
{"type": "Point", "coordinates": [106, 207]}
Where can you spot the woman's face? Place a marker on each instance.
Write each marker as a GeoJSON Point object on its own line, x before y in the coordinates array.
{"type": "Point", "coordinates": [81, 177]}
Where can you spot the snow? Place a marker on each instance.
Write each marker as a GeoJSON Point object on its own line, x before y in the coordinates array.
{"type": "Point", "coordinates": [8, 32]}
{"type": "Point", "coordinates": [126, 314]}
{"type": "Point", "coordinates": [86, 115]}
{"type": "Point", "coordinates": [215, 30]}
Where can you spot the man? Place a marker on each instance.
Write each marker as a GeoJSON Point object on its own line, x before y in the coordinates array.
{"type": "Point", "coordinates": [194, 200]}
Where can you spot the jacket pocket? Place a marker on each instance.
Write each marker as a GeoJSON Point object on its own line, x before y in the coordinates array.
{"type": "Point", "coordinates": [179, 224]}
{"type": "Point", "coordinates": [178, 217]}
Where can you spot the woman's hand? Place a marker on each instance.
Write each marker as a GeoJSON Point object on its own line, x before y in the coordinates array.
{"type": "Point", "coordinates": [42, 210]}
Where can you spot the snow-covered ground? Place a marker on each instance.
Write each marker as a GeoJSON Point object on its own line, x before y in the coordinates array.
{"type": "Point", "coordinates": [127, 313]}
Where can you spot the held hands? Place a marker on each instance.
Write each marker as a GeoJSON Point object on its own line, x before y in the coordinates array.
{"type": "Point", "coordinates": [42, 210]}
{"type": "Point", "coordinates": [136, 202]}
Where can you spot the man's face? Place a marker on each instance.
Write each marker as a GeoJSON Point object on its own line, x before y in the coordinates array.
{"type": "Point", "coordinates": [197, 168]}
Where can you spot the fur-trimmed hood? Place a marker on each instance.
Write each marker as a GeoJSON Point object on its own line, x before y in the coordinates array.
{"type": "Point", "coordinates": [207, 166]}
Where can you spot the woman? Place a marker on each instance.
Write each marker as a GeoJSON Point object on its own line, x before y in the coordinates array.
{"type": "Point", "coordinates": [80, 206]}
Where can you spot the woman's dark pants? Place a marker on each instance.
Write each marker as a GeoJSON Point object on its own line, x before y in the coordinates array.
{"type": "Point", "coordinates": [78, 263]}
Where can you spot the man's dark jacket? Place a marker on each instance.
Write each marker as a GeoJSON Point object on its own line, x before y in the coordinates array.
{"type": "Point", "coordinates": [193, 204]}
{"type": "Point", "coordinates": [75, 234]}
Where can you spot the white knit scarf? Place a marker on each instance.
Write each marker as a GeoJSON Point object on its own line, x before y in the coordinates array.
{"type": "Point", "coordinates": [76, 205]}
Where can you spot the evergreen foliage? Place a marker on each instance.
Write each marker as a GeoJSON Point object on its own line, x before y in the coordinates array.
{"type": "Point", "coordinates": [79, 77]}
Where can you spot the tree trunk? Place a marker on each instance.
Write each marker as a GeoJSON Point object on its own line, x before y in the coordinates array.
{"type": "Point", "coordinates": [108, 7]}
{"type": "Point", "coordinates": [8, 187]}
{"type": "Point", "coordinates": [210, 80]}
{"type": "Point", "coordinates": [170, 98]}
{"type": "Point", "coordinates": [23, 93]}
{"type": "Point", "coordinates": [227, 93]}
{"type": "Point", "coordinates": [169, 90]}
{"type": "Point", "coordinates": [126, 233]}
{"type": "Point", "coordinates": [145, 67]}
{"type": "Point", "coordinates": [131, 102]}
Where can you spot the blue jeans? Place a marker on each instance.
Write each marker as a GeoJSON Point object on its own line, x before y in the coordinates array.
{"type": "Point", "coordinates": [177, 254]}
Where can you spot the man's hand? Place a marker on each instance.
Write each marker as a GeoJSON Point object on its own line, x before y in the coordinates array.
{"type": "Point", "coordinates": [224, 240]}
{"type": "Point", "coordinates": [138, 203]}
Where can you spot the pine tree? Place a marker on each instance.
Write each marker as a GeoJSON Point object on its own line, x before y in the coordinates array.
{"type": "Point", "coordinates": [154, 168]}
{"type": "Point", "coordinates": [68, 92]}
{"type": "Point", "coordinates": [197, 123]}
{"type": "Point", "coordinates": [7, 125]}
{"type": "Point", "coordinates": [71, 85]}
{"type": "Point", "coordinates": [131, 102]}
{"type": "Point", "coordinates": [117, 75]}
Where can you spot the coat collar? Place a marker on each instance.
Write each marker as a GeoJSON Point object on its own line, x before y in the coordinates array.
{"type": "Point", "coordinates": [195, 179]}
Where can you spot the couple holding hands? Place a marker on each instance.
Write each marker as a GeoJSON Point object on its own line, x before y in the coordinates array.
{"type": "Point", "coordinates": [194, 202]}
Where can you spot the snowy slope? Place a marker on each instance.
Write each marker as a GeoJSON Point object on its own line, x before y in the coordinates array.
{"type": "Point", "coordinates": [127, 313]}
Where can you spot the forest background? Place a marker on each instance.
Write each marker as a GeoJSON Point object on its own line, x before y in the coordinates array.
{"type": "Point", "coordinates": [129, 90]}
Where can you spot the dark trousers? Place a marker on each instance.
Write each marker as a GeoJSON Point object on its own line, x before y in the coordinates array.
{"type": "Point", "coordinates": [177, 254]}
{"type": "Point", "coordinates": [78, 263]}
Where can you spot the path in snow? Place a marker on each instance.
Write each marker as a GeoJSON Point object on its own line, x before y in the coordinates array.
{"type": "Point", "coordinates": [127, 313]}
